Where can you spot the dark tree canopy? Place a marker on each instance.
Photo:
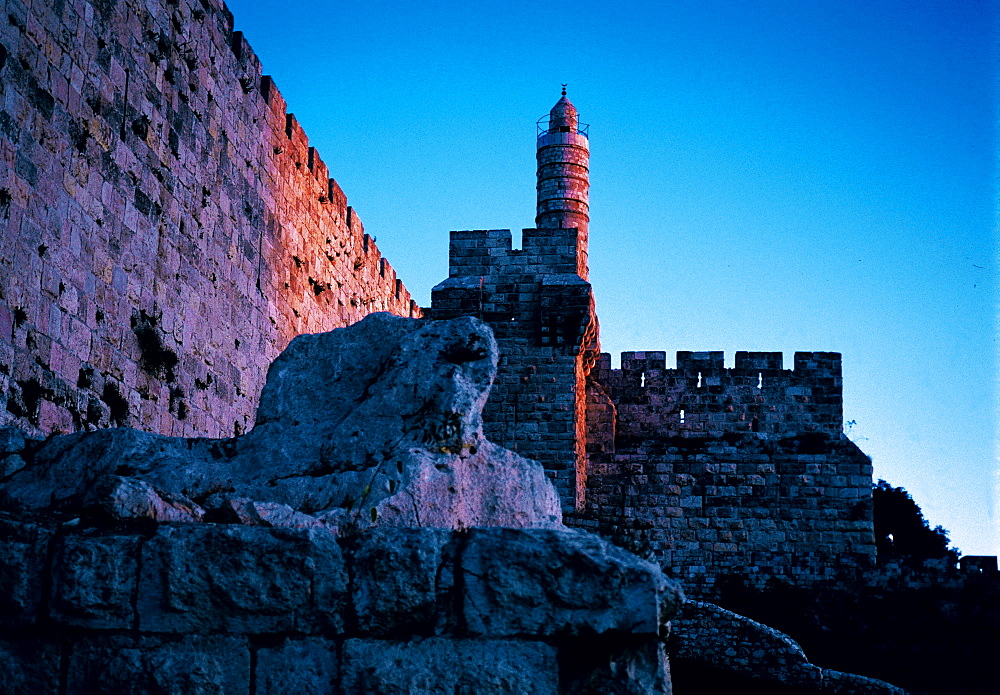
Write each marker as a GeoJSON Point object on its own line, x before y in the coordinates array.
{"type": "Point", "coordinates": [902, 531]}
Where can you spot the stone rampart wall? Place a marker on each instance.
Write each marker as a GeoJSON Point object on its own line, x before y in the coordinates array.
{"type": "Point", "coordinates": [165, 227]}
{"type": "Point", "coordinates": [235, 609]}
{"type": "Point", "coordinates": [717, 471]}
{"type": "Point", "coordinates": [702, 397]}
{"type": "Point", "coordinates": [756, 508]}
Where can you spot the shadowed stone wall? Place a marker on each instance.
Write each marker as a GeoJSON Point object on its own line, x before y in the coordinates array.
{"type": "Point", "coordinates": [235, 609]}
{"type": "Point", "coordinates": [165, 228]}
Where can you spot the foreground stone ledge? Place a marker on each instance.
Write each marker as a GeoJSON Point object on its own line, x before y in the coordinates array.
{"type": "Point", "coordinates": [192, 664]}
{"type": "Point", "coordinates": [209, 578]}
{"type": "Point", "coordinates": [560, 582]}
{"type": "Point", "coordinates": [23, 563]}
{"type": "Point", "coordinates": [94, 581]}
{"type": "Point", "coordinates": [29, 667]}
{"type": "Point", "coordinates": [302, 666]}
{"type": "Point", "coordinates": [403, 581]}
{"type": "Point", "coordinates": [450, 666]}
{"type": "Point", "coordinates": [206, 607]}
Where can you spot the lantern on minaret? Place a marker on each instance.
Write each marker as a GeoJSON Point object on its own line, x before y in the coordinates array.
{"type": "Point", "coordinates": [563, 174]}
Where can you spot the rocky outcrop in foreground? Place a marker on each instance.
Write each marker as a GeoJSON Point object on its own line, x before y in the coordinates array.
{"type": "Point", "coordinates": [375, 424]}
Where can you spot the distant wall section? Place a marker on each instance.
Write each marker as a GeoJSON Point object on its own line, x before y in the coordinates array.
{"type": "Point", "coordinates": [742, 472]}
{"type": "Point", "coordinates": [165, 228]}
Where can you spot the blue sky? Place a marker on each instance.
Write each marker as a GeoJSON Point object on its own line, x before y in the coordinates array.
{"type": "Point", "coordinates": [814, 175]}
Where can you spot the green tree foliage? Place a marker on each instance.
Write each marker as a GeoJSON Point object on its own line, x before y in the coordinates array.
{"type": "Point", "coordinates": [901, 530]}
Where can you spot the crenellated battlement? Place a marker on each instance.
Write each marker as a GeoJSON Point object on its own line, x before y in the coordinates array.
{"type": "Point", "coordinates": [490, 252]}
{"type": "Point", "coordinates": [805, 364]}
{"type": "Point", "coordinates": [703, 396]}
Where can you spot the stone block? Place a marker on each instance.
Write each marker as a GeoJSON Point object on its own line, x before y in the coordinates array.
{"type": "Point", "coordinates": [94, 581]}
{"type": "Point", "coordinates": [211, 578]}
{"type": "Point", "coordinates": [615, 666]}
{"type": "Point", "coordinates": [29, 667]}
{"type": "Point", "coordinates": [304, 667]}
{"type": "Point", "coordinates": [23, 562]}
{"type": "Point", "coordinates": [560, 582]}
{"type": "Point", "coordinates": [403, 581]}
{"type": "Point", "coordinates": [192, 664]}
{"type": "Point", "coordinates": [439, 665]}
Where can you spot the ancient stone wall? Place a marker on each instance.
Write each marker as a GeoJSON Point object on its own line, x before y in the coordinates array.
{"type": "Point", "coordinates": [707, 635]}
{"type": "Point", "coordinates": [702, 396]}
{"type": "Point", "coordinates": [542, 314]}
{"type": "Point", "coordinates": [165, 228]}
{"type": "Point", "coordinates": [235, 609]}
{"type": "Point", "coordinates": [740, 471]}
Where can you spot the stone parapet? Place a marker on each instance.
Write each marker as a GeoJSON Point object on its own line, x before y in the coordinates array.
{"type": "Point", "coordinates": [703, 398]}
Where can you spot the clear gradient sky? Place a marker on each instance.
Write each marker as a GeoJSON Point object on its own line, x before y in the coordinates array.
{"type": "Point", "coordinates": [765, 175]}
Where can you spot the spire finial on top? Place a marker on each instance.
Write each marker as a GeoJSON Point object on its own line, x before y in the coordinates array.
{"type": "Point", "coordinates": [564, 89]}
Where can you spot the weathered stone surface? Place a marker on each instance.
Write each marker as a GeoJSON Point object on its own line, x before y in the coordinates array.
{"type": "Point", "coordinates": [303, 667]}
{"type": "Point", "coordinates": [12, 441]}
{"type": "Point", "coordinates": [12, 445]}
{"type": "Point", "coordinates": [445, 666]}
{"type": "Point", "coordinates": [94, 580]}
{"type": "Point", "coordinates": [210, 578]}
{"type": "Point", "coordinates": [128, 498]}
{"type": "Point", "coordinates": [378, 423]}
{"type": "Point", "coordinates": [196, 664]}
{"type": "Point", "coordinates": [851, 684]}
{"type": "Point", "coordinates": [269, 514]}
{"type": "Point", "coordinates": [403, 580]}
{"type": "Point", "coordinates": [711, 635]}
{"type": "Point", "coordinates": [11, 464]}
{"type": "Point", "coordinates": [560, 582]}
{"type": "Point", "coordinates": [23, 564]}
{"type": "Point", "coordinates": [29, 667]}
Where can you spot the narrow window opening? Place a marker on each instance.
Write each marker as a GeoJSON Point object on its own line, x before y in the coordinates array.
{"type": "Point", "coordinates": [755, 425]}
{"type": "Point", "coordinates": [682, 417]}
{"type": "Point", "coordinates": [642, 380]}
{"type": "Point", "coordinates": [760, 380]}
{"type": "Point", "coordinates": [699, 379]}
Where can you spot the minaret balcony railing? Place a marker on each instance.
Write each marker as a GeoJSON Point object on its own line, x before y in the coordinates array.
{"type": "Point", "coordinates": [544, 129]}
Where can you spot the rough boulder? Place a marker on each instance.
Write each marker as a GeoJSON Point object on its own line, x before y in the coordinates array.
{"type": "Point", "coordinates": [375, 424]}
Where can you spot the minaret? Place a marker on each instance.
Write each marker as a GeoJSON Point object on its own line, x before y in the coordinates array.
{"type": "Point", "coordinates": [564, 175]}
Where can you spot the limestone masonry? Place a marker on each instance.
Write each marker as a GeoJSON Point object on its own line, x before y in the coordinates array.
{"type": "Point", "coordinates": [165, 231]}
{"type": "Point", "coordinates": [165, 228]}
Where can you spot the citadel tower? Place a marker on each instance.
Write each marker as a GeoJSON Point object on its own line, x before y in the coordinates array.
{"type": "Point", "coordinates": [564, 175]}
